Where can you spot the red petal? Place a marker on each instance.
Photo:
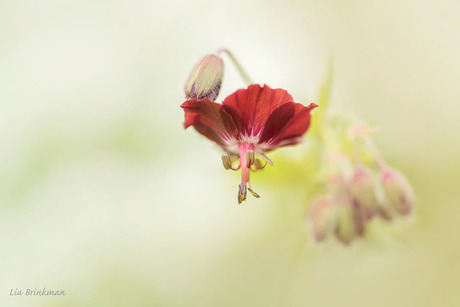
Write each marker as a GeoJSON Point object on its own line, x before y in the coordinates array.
{"type": "Point", "coordinates": [286, 125]}
{"type": "Point", "coordinates": [236, 118]}
{"type": "Point", "coordinates": [209, 132]}
{"type": "Point", "coordinates": [299, 123]}
{"type": "Point", "coordinates": [277, 120]}
{"type": "Point", "coordinates": [255, 104]}
{"type": "Point", "coordinates": [209, 119]}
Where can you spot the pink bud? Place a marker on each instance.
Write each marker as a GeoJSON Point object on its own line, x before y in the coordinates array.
{"type": "Point", "coordinates": [398, 191]}
{"type": "Point", "coordinates": [322, 217]}
{"type": "Point", "coordinates": [349, 221]}
{"type": "Point", "coordinates": [362, 191]}
{"type": "Point", "coordinates": [384, 211]}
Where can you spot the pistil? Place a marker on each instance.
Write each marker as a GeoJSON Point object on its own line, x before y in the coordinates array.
{"type": "Point", "coordinates": [247, 158]}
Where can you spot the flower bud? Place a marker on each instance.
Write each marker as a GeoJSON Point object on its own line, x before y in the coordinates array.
{"type": "Point", "coordinates": [362, 192]}
{"type": "Point", "coordinates": [322, 217]}
{"type": "Point", "coordinates": [398, 191]}
{"type": "Point", "coordinates": [384, 211]}
{"type": "Point", "coordinates": [349, 222]}
{"type": "Point", "coordinates": [205, 78]}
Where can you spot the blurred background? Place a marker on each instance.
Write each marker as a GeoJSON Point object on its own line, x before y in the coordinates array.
{"type": "Point", "coordinates": [103, 195]}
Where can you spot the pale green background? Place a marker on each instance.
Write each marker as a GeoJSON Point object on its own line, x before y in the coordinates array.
{"type": "Point", "coordinates": [104, 195]}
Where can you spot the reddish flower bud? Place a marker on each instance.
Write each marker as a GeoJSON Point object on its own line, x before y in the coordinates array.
{"type": "Point", "coordinates": [205, 78]}
{"type": "Point", "coordinates": [362, 192]}
{"type": "Point", "coordinates": [398, 191]}
{"type": "Point", "coordinates": [322, 217]}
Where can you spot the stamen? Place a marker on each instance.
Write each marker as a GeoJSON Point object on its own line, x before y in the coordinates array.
{"type": "Point", "coordinates": [242, 192]}
{"type": "Point", "coordinates": [250, 158]}
{"type": "Point", "coordinates": [226, 161]}
{"type": "Point", "coordinates": [258, 164]}
{"type": "Point", "coordinates": [267, 159]}
{"type": "Point", "coordinates": [254, 193]}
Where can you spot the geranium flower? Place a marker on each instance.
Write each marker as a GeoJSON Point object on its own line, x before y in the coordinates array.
{"type": "Point", "coordinates": [250, 121]}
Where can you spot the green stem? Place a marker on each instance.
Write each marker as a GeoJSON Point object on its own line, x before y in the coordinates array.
{"type": "Point", "coordinates": [238, 66]}
{"type": "Point", "coordinates": [377, 157]}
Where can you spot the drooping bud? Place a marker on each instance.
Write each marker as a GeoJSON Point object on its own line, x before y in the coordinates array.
{"type": "Point", "coordinates": [384, 211]}
{"type": "Point", "coordinates": [362, 191]}
{"type": "Point", "coordinates": [398, 190]}
{"type": "Point", "coordinates": [322, 217]}
{"type": "Point", "coordinates": [205, 79]}
{"type": "Point", "coordinates": [349, 222]}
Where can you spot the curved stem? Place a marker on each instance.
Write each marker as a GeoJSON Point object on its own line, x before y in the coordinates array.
{"type": "Point", "coordinates": [238, 66]}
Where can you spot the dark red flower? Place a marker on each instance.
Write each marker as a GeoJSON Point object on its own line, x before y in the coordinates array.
{"type": "Point", "coordinates": [250, 121]}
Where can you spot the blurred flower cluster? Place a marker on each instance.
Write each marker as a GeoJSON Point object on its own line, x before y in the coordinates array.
{"type": "Point", "coordinates": [355, 185]}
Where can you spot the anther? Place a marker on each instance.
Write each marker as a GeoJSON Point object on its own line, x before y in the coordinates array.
{"type": "Point", "coordinates": [258, 164]}
{"type": "Point", "coordinates": [254, 193]}
{"type": "Point", "coordinates": [226, 161]}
